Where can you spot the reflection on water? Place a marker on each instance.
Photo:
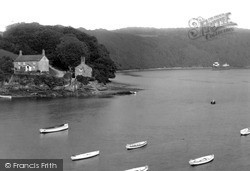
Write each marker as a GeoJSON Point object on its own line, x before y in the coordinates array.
{"type": "Point", "coordinates": [87, 164]}
{"type": "Point", "coordinates": [56, 135]}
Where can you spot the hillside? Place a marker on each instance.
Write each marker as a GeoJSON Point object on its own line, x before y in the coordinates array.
{"type": "Point", "coordinates": [7, 53]}
{"type": "Point", "coordinates": [140, 48]}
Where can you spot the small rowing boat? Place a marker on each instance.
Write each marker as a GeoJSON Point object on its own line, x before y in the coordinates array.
{"type": "Point", "coordinates": [5, 96]}
{"type": "Point", "coordinates": [55, 128]}
{"type": "Point", "coordinates": [85, 155]}
{"type": "Point", "coordinates": [143, 168]}
{"type": "Point", "coordinates": [245, 131]}
{"type": "Point", "coordinates": [201, 160]}
{"type": "Point", "coordinates": [136, 145]}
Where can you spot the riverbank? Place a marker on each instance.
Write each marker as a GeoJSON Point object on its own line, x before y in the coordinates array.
{"type": "Point", "coordinates": [90, 90]}
{"type": "Point", "coordinates": [176, 68]}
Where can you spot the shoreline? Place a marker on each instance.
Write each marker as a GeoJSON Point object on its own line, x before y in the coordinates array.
{"type": "Point", "coordinates": [110, 89]}
{"type": "Point", "coordinates": [177, 68]}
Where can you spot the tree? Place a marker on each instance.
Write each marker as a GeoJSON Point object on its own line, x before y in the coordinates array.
{"type": "Point", "coordinates": [70, 51]}
{"type": "Point", "coordinates": [6, 65]}
{"type": "Point", "coordinates": [50, 81]}
{"type": "Point", "coordinates": [64, 47]}
{"type": "Point", "coordinates": [82, 79]}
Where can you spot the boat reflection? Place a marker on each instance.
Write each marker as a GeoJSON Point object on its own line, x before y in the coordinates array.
{"type": "Point", "coordinates": [60, 134]}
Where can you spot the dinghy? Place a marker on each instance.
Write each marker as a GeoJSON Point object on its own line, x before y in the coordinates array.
{"type": "Point", "coordinates": [201, 160]}
{"type": "Point", "coordinates": [85, 155]}
{"type": "Point", "coordinates": [245, 131]}
{"type": "Point", "coordinates": [136, 145]}
{"type": "Point", "coordinates": [143, 168]}
{"type": "Point", "coordinates": [54, 128]}
{"type": "Point", "coordinates": [5, 96]}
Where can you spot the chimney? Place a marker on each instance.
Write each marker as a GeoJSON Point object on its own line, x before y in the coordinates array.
{"type": "Point", "coordinates": [43, 53]}
{"type": "Point", "coordinates": [83, 60]}
{"type": "Point", "coordinates": [20, 53]}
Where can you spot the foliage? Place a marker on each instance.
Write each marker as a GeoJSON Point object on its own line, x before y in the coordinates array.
{"type": "Point", "coordinates": [82, 79]}
{"type": "Point", "coordinates": [140, 48]}
{"type": "Point", "coordinates": [2, 76]}
{"type": "Point", "coordinates": [103, 69]}
{"type": "Point", "coordinates": [64, 46]}
{"type": "Point", "coordinates": [6, 65]}
{"type": "Point", "coordinates": [69, 50]}
{"type": "Point", "coordinates": [48, 80]}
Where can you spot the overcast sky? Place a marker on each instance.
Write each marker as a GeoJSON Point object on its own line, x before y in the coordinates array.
{"type": "Point", "coordinates": [115, 14]}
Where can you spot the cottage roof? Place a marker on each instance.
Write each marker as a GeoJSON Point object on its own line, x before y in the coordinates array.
{"type": "Point", "coordinates": [27, 58]}
{"type": "Point", "coordinates": [81, 65]}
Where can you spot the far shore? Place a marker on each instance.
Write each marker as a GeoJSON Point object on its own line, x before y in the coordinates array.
{"type": "Point", "coordinates": [175, 68]}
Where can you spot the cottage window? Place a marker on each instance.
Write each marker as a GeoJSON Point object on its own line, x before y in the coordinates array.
{"type": "Point", "coordinates": [23, 63]}
{"type": "Point", "coordinates": [19, 63]}
{"type": "Point", "coordinates": [34, 63]}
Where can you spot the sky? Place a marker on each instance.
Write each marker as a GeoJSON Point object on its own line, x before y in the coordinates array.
{"type": "Point", "coordinates": [115, 14]}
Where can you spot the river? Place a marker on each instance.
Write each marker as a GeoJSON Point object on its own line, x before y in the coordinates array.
{"type": "Point", "coordinates": [172, 112]}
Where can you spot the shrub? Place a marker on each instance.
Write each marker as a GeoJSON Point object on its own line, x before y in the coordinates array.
{"type": "Point", "coordinates": [50, 81]}
{"type": "Point", "coordinates": [82, 79]}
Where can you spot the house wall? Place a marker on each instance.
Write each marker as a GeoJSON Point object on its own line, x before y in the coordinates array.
{"type": "Point", "coordinates": [20, 66]}
{"type": "Point", "coordinates": [43, 64]}
{"type": "Point", "coordinates": [83, 70]}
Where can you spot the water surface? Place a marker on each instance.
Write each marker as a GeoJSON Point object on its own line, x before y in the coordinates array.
{"type": "Point", "coordinates": [173, 113]}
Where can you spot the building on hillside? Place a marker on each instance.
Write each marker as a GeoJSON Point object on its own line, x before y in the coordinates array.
{"type": "Point", "coordinates": [83, 69]}
{"type": "Point", "coordinates": [28, 63]}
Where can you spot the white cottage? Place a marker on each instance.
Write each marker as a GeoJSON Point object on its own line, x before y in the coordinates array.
{"type": "Point", "coordinates": [27, 63]}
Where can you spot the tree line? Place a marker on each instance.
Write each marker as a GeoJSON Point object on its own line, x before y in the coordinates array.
{"type": "Point", "coordinates": [64, 47]}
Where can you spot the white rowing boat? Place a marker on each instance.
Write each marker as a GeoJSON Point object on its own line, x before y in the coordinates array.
{"type": "Point", "coordinates": [245, 131]}
{"type": "Point", "coordinates": [55, 128]}
{"type": "Point", "coordinates": [201, 160]}
{"type": "Point", "coordinates": [85, 155]}
{"type": "Point", "coordinates": [136, 145]}
{"type": "Point", "coordinates": [143, 168]}
{"type": "Point", "coordinates": [5, 97]}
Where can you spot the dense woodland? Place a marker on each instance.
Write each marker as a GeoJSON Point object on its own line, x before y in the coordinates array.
{"type": "Point", "coordinates": [130, 48]}
{"type": "Point", "coordinates": [140, 48]}
{"type": "Point", "coordinates": [64, 47]}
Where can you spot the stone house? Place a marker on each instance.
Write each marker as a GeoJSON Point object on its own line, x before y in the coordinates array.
{"type": "Point", "coordinates": [83, 69]}
{"type": "Point", "coordinates": [27, 63]}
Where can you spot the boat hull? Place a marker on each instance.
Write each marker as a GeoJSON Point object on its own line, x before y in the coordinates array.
{"type": "Point", "coordinates": [143, 168]}
{"type": "Point", "coordinates": [245, 132]}
{"type": "Point", "coordinates": [5, 97]}
{"type": "Point", "coordinates": [136, 145]}
{"type": "Point", "coordinates": [54, 129]}
{"type": "Point", "coordinates": [85, 155]}
{"type": "Point", "coordinates": [201, 160]}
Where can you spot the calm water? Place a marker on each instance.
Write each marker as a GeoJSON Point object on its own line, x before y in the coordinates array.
{"type": "Point", "coordinates": [173, 113]}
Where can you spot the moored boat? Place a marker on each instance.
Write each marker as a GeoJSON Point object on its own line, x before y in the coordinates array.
{"type": "Point", "coordinates": [201, 160]}
{"type": "Point", "coordinates": [136, 145]}
{"type": "Point", "coordinates": [55, 128]}
{"type": "Point", "coordinates": [245, 131]}
{"type": "Point", "coordinates": [6, 96]}
{"type": "Point", "coordinates": [217, 66]}
{"type": "Point", "coordinates": [85, 155]}
{"type": "Point", "coordinates": [143, 168]}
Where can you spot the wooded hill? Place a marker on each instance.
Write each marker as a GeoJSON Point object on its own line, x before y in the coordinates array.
{"type": "Point", "coordinates": [64, 47]}
{"type": "Point", "coordinates": [140, 48]}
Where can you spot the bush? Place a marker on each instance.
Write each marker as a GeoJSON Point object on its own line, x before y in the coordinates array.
{"type": "Point", "coordinates": [82, 79]}
{"type": "Point", "coordinates": [50, 81]}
